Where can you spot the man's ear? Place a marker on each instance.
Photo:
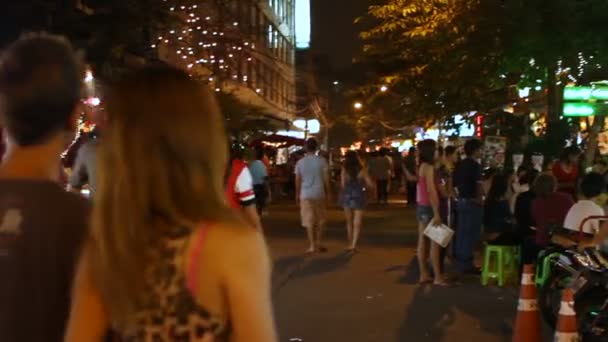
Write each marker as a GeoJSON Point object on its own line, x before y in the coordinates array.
{"type": "Point", "coordinates": [72, 124]}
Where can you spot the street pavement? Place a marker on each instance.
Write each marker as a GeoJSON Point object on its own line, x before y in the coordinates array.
{"type": "Point", "coordinates": [373, 295]}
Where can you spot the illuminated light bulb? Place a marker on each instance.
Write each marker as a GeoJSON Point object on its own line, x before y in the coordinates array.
{"type": "Point", "coordinates": [190, 66]}
{"type": "Point", "coordinates": [258, 90]}
{"type": "Point", "coordinates": [166, 40]}
{"type": "Point", "coordinates": [210, 79]}
{"type": "Point", "coordinates": [194, 6]}
{"type": "Point", "coordinates": [160, 38]}
{"type": "Point", "coordinates": [383, 88]}
{"type": "Point", "coordinates": [221, 33]}
{"type": "Point", "coordinates": [183, 7]}
{"type": "Point", "coordinates": [208, 18]}
{"type": "Point", "coordinates": [230, 55]}
{"type": "Point", "coordinates": [218, 90]}
{"type": "Point", "coordinates": [200, 43]}
{"type": "Point", "coordinates": [215, 33]}
{"type": "Point", "coordinates": [172, 31]}
{"type": "Point", "coordinates": [88, 76]}
{"type": "Point", "coordinates": [249, 59]}
{"type": "Point", "coordinates": [179, 38]}
{"type": "Point", "coordinates": [235, 24]}
{"type": "Point", "coordinates": [214, 44]}
{"type": "Point", "coordinates": [246, 43]}
{"type": "Point", "coordinates": [94, 101]}
{"type": "Point", "coordinates": [198, 27]}
{"type": "Point", "coordinates": [184, 57]}
{"type": "Point", "coordinates": [179, 52]}
{"type": "Point", "coordinates": [192, 15]}
{"type": "Point", "coordinates": [153, 46]}
{"type": "Point", "coordinates": [205, 32]}
{"type": "Point", "coordinates": [172, 9]}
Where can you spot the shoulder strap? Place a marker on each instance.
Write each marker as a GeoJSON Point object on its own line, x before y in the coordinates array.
{"type": "Point", "coordinates": [192, 272]}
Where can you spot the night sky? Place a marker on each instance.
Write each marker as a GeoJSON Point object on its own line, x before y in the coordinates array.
{"type": "Point", "coordinates": [333, 30]}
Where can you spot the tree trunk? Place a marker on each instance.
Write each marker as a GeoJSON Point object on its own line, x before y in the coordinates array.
{"type": "Point", "coordinates": [552, 95]}
{"type": "Point", "coordinates": [594, 132]}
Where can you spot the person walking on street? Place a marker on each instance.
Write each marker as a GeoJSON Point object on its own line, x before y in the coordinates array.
{"type": "Point", "coordinates": [313, 194]}
{"type": "Point", "coordinates": [428, 211]}
{"type": "Point", "coordinates": [83, 171]}
{"type": "Point", "coordinates": [468, 185]}
{"type": "Point", "coordinates": [259, 174]}
{"type": "Point", "coordinates": [239, 189]}
{"type": "Point", "coordinates": [356, 183]}
{"type": "Point", "coordinates": [43, 226]}
{"type": "Point", "coordinates": [382, 172]}
{"type": "Point", "coordinates": [167, 259]}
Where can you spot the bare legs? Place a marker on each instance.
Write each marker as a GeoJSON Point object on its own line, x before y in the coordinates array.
{"type": "Point", "coordinates": [315, 234]}
{"type": "Point", "coordinates": [354, 221]}
{"type": "Point", "coordinates": [423, 255]}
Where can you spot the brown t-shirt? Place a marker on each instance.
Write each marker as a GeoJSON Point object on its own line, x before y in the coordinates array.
{"type": "Point", "coordinates": [42, 228]}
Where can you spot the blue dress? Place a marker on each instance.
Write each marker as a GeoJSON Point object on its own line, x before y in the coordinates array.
{"type": "Point", "coordinates": [354, 194]}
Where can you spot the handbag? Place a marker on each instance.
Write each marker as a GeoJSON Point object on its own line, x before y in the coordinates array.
{"type": "Point", "coordinates": [440, 234]}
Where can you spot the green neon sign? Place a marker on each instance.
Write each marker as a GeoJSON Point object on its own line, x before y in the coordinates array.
{"type": "Point", "coordinates": [586, 93]}
{"type": "Point", "coordinates": [579, 109]}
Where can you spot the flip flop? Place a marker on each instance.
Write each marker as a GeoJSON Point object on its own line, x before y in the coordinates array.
{"type": "Point", "coordinates": [426, 281]}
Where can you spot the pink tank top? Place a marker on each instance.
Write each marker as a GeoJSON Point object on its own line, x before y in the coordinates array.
{"type": "Point", "coordinates": [422, 193]}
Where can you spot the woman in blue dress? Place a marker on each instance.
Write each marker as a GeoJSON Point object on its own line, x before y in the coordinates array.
{"type": "Point", "coordinates": [356, 185]}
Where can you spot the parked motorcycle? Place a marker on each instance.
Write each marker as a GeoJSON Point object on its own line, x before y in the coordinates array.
{"type": "Point", "coordinates": [586, 272]}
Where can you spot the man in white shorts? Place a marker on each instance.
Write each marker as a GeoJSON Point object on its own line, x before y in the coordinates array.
{"type": "Point", "coordinates": [312, 194]}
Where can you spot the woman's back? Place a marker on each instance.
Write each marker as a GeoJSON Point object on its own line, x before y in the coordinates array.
{"type": "Point", "coordinates": [170, 311]}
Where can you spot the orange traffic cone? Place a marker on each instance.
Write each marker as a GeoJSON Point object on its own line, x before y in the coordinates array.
{"type": "Point", "coordinates": [527, 324]}
{"type": "Point", "coordinates": [566, 323]}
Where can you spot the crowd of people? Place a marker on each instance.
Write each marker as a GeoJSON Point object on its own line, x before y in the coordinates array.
{"type": "Point", "coordinates": [170, 246]}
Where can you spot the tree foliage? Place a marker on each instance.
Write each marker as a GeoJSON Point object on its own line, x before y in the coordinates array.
{"type": "Point", "coordinates": [443, 57]}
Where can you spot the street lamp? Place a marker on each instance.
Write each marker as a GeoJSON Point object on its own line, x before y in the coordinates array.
{"type": "Point", "coordinates": [357, 105]}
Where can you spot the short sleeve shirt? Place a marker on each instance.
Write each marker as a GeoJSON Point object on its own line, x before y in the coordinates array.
{"type": "Point", "coordinates": [467, 175]}
{"type": "Point", "coordinates": [579, 212]}
{"type": "Point", "coordinates": [244, 188]}
{"type": "Point", "coordinates": [313, 172]}
{"type": "Point", "coordinates": [42, 228]}
{"type": "Point", "coordinates": [258, 172]}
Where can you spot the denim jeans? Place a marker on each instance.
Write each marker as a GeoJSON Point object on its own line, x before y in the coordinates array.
{"type": "Point", "coordinates": [467, 234]}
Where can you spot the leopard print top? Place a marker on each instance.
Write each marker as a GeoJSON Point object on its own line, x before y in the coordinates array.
{"type": "Point", "coordinates": [171, 312]}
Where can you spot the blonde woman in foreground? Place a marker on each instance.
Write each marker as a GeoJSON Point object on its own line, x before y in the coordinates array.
{"type": "Point", "coordinates": [167, 261]}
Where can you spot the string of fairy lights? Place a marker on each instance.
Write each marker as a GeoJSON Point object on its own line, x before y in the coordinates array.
{"type": "Point", "coordinates": [212, 45]}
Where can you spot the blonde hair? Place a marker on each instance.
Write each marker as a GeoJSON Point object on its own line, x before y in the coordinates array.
{"type": "Point", "coordinates": [161, 166]}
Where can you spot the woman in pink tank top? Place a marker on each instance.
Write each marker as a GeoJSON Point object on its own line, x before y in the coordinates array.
{"type": "Point", "coordinates": [427, 211]}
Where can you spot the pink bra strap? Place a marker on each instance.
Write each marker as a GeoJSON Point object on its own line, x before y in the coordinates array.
{"type": "Point", "coordinates": [192, 275]}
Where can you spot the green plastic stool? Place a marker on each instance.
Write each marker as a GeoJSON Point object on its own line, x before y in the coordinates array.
{"type": "Point", "coordinates": [542, 272]}
{"type": "Point", "coordinates": [504, 260]}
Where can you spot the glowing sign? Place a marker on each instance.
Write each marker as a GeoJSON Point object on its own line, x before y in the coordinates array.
{"type": "Point", "coordinates": [579, 109]}
{"type": "Point", "coordinates": [585, 93]}
{"type": "Point", "coordinates": [303, 24]}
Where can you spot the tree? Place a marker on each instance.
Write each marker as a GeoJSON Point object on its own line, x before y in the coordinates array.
{"type": "Point", "coordinates": [446, 57]}
{"type": "Point", "coordinates": [109, 31]}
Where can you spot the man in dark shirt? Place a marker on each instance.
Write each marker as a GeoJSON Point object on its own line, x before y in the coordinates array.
{"type": "Point", "coordinates": [467, 183]}
{"type": "Point", "coordinates": [41, 225]}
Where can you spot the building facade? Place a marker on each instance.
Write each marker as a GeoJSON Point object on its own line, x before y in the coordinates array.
{"type": "Point", "coordinates": [242, 47]}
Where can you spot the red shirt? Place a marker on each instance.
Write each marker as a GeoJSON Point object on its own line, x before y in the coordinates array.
{"type": "Point", "coordinates": [551, 210]}
{"type": "Point", "coordinates": [563, 176]}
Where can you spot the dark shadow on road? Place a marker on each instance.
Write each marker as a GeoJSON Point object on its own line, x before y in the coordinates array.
{"type": "Point", "coordinates": [284, 270]}
{"type": "Point", "coordinates": [324, 265]}
{"type": "Point", "coordinates": [434, 309]}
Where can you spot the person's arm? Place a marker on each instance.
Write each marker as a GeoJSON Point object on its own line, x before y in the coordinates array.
{"type": "Point", "coordinates": [88, 320]}
{"type": "Point", "coordinates": [368, 180]}
{"type": "Point", "coordinates": [343, 177]}
{"type": "Point", "coordinates": [298, 183]}
{"type": "Point", "coordinates": [79, 172]}
{"type": "Point", "coordinates": [244, 189]}
{"type": "Point", "coordinates": [246, 280]}
{"type": "Point", "coordinates": [480, 193]}
{"type": "Point", "coordinates": [429, 175]}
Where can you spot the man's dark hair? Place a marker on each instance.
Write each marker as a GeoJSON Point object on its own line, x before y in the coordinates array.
{"type": "Point", "coordinates": [311, 145]}
{"type": "Point", "coordinates": [592, 185]}
{"type": "Point", "coordinates": [426, 151]}
{"type": "Point", "coordinates": [472, 146]}
{"type": "Point", "coordinates": [40, 85]}
{"type": "Point", "coordinates": [449, 150]}
{"type": "Point", "coordinates": [259, 152]}
{"type": "Point", "coordinates": [544, 185]}
{"type": "Point", "coordinates": [529, 177]}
